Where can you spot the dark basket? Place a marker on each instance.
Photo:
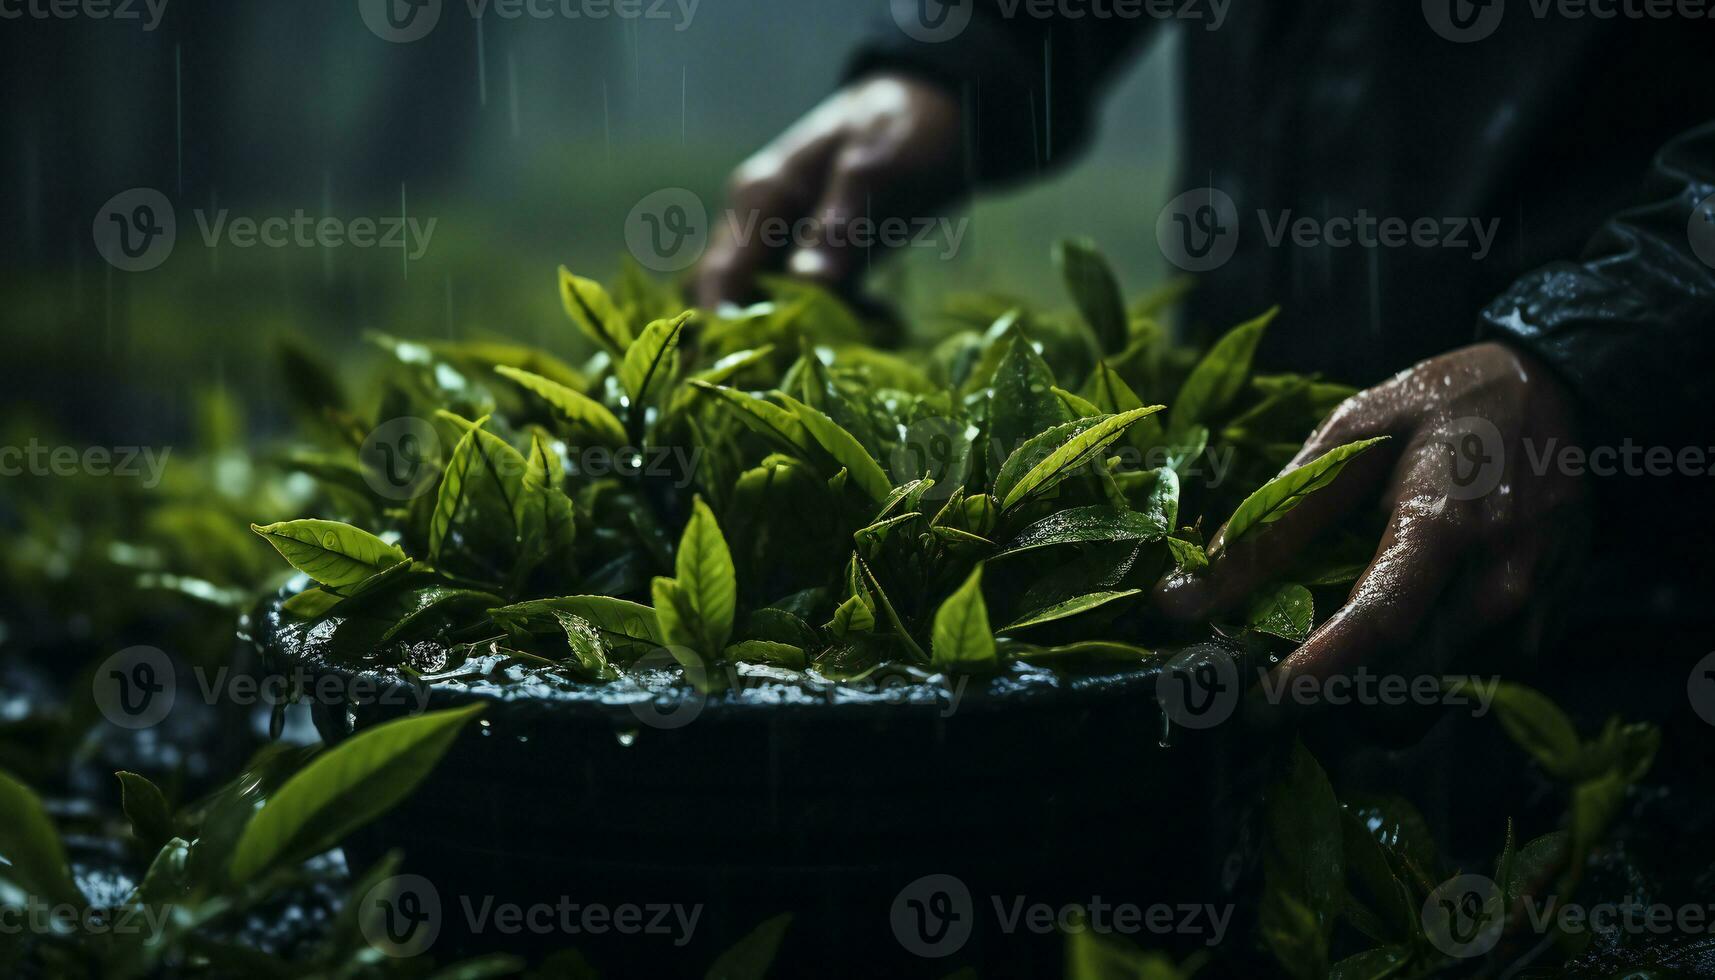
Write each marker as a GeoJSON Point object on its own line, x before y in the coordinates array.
{"type": "Point", "coordinates": [829, 810]}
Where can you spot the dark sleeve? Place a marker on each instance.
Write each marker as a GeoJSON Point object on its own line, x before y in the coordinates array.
{"type": "Point", "coordinates": [1029, 84]}
{"type": "Point", "coordinates": [1631, 327]}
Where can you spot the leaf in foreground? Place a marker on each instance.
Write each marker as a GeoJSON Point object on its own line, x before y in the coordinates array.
{"type": "Point", "coordinates": [334, 554]}
{"type": "Point", "coordinates": [31, 856]}
{"type": "Point", "coordinates": [344, 788]}
{"type": "Point", "coordinates": [962, 638]}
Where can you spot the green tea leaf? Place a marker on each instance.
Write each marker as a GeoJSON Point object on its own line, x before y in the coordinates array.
{"type": "Point", "coordinates": [344, 788]}
{"type": "Point", "coordinates": [589, 306]}
{"type": "Point", "coordinates": [1188, 556]}
{"type": "Point", "coordinates": [1068, 609]}
{"type": "Point", "coordinates": [336, 555]}
{"type": "Point", "coordinates": [1079, 408]}
{"type": "Point", "coordinates": [1081, 525]}
{"type": "Point", "coordinates": [312, 603]}
{"type": "Point", "coordinates": [1022, 402]}
{"type": "Point", "coordinates": [680, 629]}
{"type": "Point", "coordinates": [1539, 727]}
{"type": "Point", "coordinates": [1095, 291]}
{"type": "Point", "coordinates": [705, 572]}
{"type": "Point", "coordinates": [151, 818]}
{"type": "Point", "coordinates": [844, 448]}
{"type": "Point", "coordinates": [479, 498]}
{"type": "Point", "coordinates": [588, 650]}
{"type": "Point", "coordinates": [872, 584]}
{"type": "Point", "coordinates": [765, 418]}
{"type": "Point", "coordinates": [1304, 864]}
{"type": "Point", "coordinates": [1372, 964]}
{"type": "Point", "coordinates": [1054, 455]}
{"type": "Point", "coordinates": [543, 513]}
{"type": "Point", "coordinates": [584, 414]}
{"type": "Point", "coordinates": [1276, 498]}
{"type": "Point", "coordinates": [751, 957]}
{"type": "Point", "coordinates": [1286, 610]}
{"type": "Point", "coordinates": [853, 616]}
{"type": "Point", "coordinates": [651, 359]}
{"type": "Point", "coordinates": [624, 625]}
{"type": "Point", "coordinates": [1220, 375]}
{"type": "Point", "coordinates": [766, 652]}
{"type": "Point", "coordinates": [1107, 651]}
{"type": "Point", "coordinates": [962, 639]}
{"type": "Point", "coordinates": [423, 605]}
{"type": "Point", "coordinates": [31, 855]}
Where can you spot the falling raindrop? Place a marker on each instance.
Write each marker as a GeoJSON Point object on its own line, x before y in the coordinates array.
{"type": "Point", "coordinates": [1166, 740]}
{"type": "Point", "coordinates": [481, 68]}
{"type": "Point", "coordinates": [512, 89]}
{"type": "Point", "coordinates": [179, 110]}
{"type": "Point", "coordinates": [627, 738]}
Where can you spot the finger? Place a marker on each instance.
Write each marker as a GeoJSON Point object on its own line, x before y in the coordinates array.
{"type": "Point", "coordinates": [1240, 568]}
{"type": "Point", "coordinates": [772, 187]}
{"type": "Point", "coordinates": [1236, 571]}
{"type": "Point", "coordinates": [1419, 555]}
{"type": "Point", "coordinates": [831, 257]}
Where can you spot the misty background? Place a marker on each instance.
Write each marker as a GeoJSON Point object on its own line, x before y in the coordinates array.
{"type": "Point", "coordinates": [527, 140]}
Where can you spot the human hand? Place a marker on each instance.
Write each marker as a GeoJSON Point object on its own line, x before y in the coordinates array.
{"type": "Point", "coordinates": [888, 146]}
{"type": "Point", "coordinates": [1472, 525]}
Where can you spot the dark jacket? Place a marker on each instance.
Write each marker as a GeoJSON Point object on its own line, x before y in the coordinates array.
{"type": "Point", "coordinates": [1591, 140]}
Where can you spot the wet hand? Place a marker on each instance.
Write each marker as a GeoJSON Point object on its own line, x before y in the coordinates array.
{"type": "Point", "coordinates": [888, 146]}
{"type": "Point", "coordinates": [1471, 528]}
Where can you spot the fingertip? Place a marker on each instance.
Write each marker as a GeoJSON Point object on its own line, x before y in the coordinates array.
{"type": "Point", "coordinates": [1183, 596]}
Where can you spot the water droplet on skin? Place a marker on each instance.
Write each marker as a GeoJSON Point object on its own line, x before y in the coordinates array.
{"type": "Point", "coordinates": [627, 738]}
